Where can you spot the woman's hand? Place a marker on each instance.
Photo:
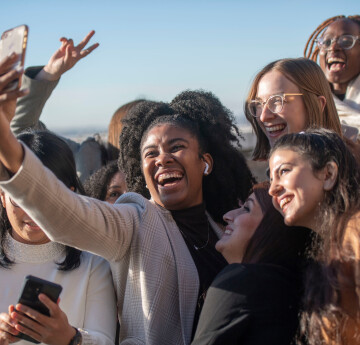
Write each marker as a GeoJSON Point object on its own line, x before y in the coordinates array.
{"type": "Point", "coordinates": [7, 75]}
{"type": "Point", "coordinates": [7, 328]}
{"type": "Point", "coordinates": [52, 330]}
{"type": "Point", "coordinates": [11, 152]}
{"type": "Point", "coordinates": [66, 57]}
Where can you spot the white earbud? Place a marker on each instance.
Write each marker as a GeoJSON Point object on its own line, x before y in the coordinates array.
{"type": "Point", "coordinates": [206, 171]}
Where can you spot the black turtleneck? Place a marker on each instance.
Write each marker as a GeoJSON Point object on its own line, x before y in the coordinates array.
{"type": "Point", "coordinates": [196, 230]}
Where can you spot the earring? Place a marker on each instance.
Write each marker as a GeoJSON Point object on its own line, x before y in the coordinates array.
{"type": "Point", "coordinates": [206, 171]}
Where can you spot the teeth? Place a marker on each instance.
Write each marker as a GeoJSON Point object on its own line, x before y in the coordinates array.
{"type": "Point", "coordinates": [335, 59]}
{"type": "Point", "coordinates": [228, 232]}
{"type": "Point", "coordinates": [166, 176]}
{"type": "Point", "coordinates": [275, 128]}
{"type": "Point", "coordinates": [284, 201]}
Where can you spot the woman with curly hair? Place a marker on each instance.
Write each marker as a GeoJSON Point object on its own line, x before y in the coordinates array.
{"type": "Point", "coordinates": [315, 183]}
{"type": "Point", "coordinates": [184, 156]}
{"type": "Point", "coordinates": [106, 184]}
{"type": "Point", "coordinates": [336, 42]}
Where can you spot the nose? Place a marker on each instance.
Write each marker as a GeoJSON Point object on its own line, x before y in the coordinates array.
{"type": "Point", "coordinates": [334, 45]}
{"type": "Point", "coordinates": [164, 158]}
{"type": "Point", "coordinates": [275, 188]}
{"type": "Point", "coordinates": [266, 114]}
{"type": "Point", "coordinates": [228, 216]}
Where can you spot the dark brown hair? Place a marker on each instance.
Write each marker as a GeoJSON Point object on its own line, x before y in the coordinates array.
{"type": "Point", "coordinates": [273, 241]}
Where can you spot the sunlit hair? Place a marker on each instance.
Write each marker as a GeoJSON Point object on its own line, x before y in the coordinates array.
{"type": "Point", "coordinates": [213, 125]}
{"type": "Point", "coordinates": [335, 267]}
{"type": "Point", "coordinates": [115, 128]}
{"type": "Point", "coordinates": [311, 81]}
{"type": "Point", "coordinates": [274, 242]}
{"type": "Point", "coordinates": [56, 155]}
{"type": "Point", "coordinates": [311, 50]}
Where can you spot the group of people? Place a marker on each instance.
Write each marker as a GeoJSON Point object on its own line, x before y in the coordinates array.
{"type": "Point", "coordinates": [172, 230]}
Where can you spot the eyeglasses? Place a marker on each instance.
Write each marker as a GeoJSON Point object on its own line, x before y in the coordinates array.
{"type": "Point", "coordinates": [275, 104]}
{"type": "Point", "coordinates": [344, 42]}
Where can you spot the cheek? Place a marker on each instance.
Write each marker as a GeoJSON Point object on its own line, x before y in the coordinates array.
{"type": "Point", "coordinates": [246, 227]}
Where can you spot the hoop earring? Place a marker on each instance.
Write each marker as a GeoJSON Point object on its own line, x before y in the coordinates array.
{"type": "Point", "coordinates": [206, 171]}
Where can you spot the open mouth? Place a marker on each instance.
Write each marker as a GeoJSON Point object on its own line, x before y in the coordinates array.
{"type": "Point", "coordinates": [335, 64]}
{"type": "Point", "coordinates": [228, 232]}
{"type": "Point", "coordinates": [275, 129]}
{"type": "Point", "coordinates": [168, 179]}
{"type": "Point", "coordinates": [284, 202]}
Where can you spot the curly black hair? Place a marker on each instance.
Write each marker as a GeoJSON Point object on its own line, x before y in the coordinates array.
{"type": "Point", "coordinates": [213, 125]}
{"type": "Point", "coordinates": [96, 185]}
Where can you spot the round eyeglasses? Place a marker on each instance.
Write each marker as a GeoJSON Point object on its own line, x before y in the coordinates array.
{"type": "Point", "coordinates": [343, 41]}
{"type": "Point", "coordinates": [275, 104]}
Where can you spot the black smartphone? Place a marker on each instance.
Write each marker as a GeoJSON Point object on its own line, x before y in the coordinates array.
{"type": "Point", "coordinates": [32, 287]}
{"type": "Point", "coordinates": [14, 41]}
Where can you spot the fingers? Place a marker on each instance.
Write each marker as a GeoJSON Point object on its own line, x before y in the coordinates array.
{"type": "Point", "coordinates": [26, 322]}
{"type": "Point", "coordinates": [7, 324]}
{"type": "Point", "coordinates": [87, 51]}
{"type": "Point", "coordinates": [10, 95]}
{"type": "Point", "coordinates": [7, 63]}
{"type": "Point", "coordinates": [86, 40]}
{"type": "Point", "coordinates": [52, 306]}
{"type": "Point", "coordinates": [10, 76]}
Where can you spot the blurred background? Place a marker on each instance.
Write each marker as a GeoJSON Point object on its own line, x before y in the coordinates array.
{"type": "Point", "coordinates": [156, 49]}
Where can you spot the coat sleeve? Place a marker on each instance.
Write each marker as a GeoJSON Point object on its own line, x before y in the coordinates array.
{"type": "Point", "coordinates": [71, 219]}
{"type": "Point", "coordinates": [30, 107]}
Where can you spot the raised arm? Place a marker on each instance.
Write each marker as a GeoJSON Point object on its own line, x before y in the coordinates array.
{"type": "Point", "coordinates": [65, 216]}
{"type": "Point", "coordinates": [41, 81]}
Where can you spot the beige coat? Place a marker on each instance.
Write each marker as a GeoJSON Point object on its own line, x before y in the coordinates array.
{"type": "Point", "coordinates": [155, 278]}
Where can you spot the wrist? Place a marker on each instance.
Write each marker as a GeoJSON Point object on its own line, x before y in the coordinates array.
{"type": "Point", "coordinates": [47, 74]}
{"type": "Point", "coordinates": [77, 337]}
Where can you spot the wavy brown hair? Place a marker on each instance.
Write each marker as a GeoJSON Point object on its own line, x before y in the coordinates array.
{"type": "Point", "coordinates": [335, 268]}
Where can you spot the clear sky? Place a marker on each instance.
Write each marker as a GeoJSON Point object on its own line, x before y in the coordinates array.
{"type": "Point", "coordinates": [157, 48]}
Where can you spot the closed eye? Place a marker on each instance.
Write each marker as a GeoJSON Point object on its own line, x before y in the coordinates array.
{"type": "Point", "coordinates": [150, 154]}
{"type": "Point", "coordinates": [176, 148]}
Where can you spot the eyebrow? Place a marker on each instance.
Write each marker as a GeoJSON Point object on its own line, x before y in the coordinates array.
{"type": "Point", "coordinates": [280, 165]}
{"type": "Point", "coordinates": [171, 141]}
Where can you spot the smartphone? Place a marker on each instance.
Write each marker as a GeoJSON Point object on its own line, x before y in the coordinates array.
{"type": "Point", "coordinates": [14, 41]}
{"type": "Point", "coordinates": [31, 289]}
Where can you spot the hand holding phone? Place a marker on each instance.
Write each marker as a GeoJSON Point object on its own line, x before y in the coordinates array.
{"type": "Point", "coordinates": [14, 41]}
{"type": "Point", "coordinates": [29, 297]}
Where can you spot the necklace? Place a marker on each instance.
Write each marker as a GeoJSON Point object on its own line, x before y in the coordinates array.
{"type": "Point", "coordinates": [193, 244]}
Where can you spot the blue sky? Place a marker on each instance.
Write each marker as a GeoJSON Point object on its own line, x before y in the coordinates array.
{"type": "Point", "coordinates": [156, 49]}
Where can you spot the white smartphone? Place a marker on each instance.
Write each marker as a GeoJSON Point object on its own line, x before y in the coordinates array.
{"type": "Point", "coordinates": [14, 41]}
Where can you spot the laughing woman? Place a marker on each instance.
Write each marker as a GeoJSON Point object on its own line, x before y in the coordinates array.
{"type": "Point", "coordinates": [288, 96]}
{"type": "Point", "coordinates": [315, 183]}
{"type": "Point", "coordinates": [182, 155]}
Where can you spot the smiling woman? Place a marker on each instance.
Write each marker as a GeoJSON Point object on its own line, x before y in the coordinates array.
{"type": "Point", "coordinates": [288, 96]}
{"type": "Point", "coordinates": [184, 156]}
{"type": "Point", "coordinates": [315, 183]}
{"type": "Point", "coordinates": [337, 44]}
{"type": "Point", "coordinates": [256, 299]}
